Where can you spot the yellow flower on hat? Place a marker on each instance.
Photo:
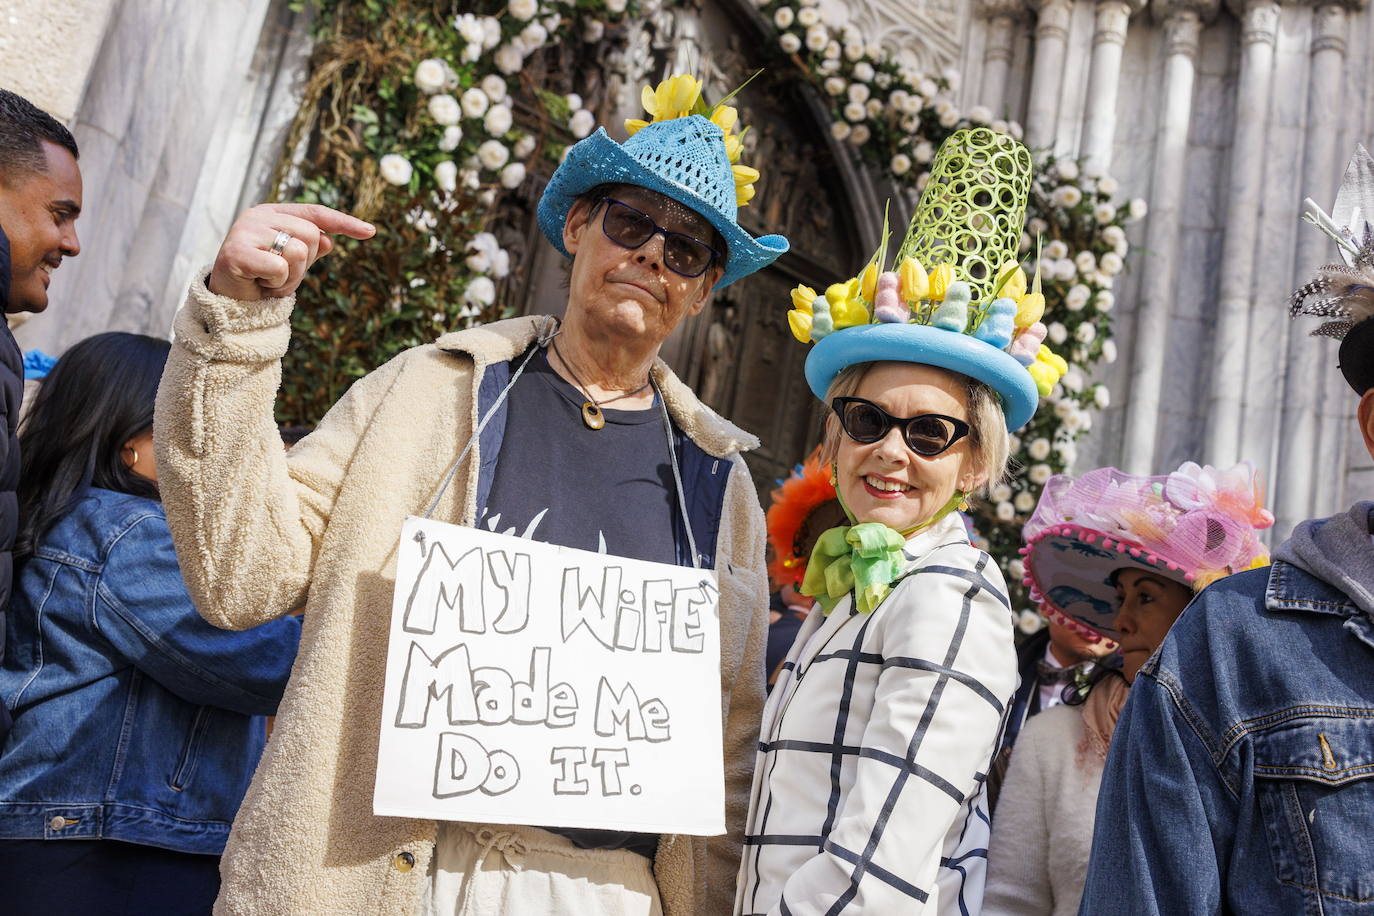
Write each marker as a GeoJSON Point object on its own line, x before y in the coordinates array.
{"type": "Point", "coordinates": [868, 281]}
{"type": "Point", "coordinates": [744, 183]}
{"type": "Point", "coordinates": [634, 125]}
{"type": "Point", "coordinates": [938, 282]}
{"type": "Point", "coordinates": [1047, 370]}
{"type": "Point", "coordinates": [912, 281]}
{"type": "Point", "coordinates": [675, 97]}
{"type": "Point", "coordinates": [846, 307]}
{"type": "Point", "coordinates": [725, 117]}
{"type": "Point", "coordinates": [799, 319]}
{"type": "Point", "coordinates": [1013, 280]}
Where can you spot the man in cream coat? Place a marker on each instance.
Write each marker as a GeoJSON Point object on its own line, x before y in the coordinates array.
{"type": "Point", "coordinates": [260, 533]}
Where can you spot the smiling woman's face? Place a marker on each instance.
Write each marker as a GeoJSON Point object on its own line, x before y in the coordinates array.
{"type": "Point", "coordinates": [1147, 605]}
{"type": "Point", "coordinates": [630, 293]}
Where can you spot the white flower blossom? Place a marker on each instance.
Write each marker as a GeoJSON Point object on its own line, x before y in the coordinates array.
{"type": "Point", "coordinates": [498, 120]}
{"type": "Point", "coordinates": [909, 124]}
{"type": "Point", "coordinates": [1065, 270]}
{"type": "Point", "coordinates": [1066, 195]}
{"type": "Point", "coordinates": [1029, 622]}
{"type": "Point", "coordinates": [1039, 473]}
{"type": "Point", "coordinates": [1077, 297]}
{"type": "Point", "coordinates": [553, 22]}
{"type": "Point", "coordinates": [855, 111]}
{"type": "Point", "coordinates": [1104, 300]}
{"type": "Point", "coordinates": [581, 123]}
{"type": "Point", "coordinates": [863, 72]}
{"type": "Point", "coordinates": [1112, 263]}
{"type": "Point", "coordinates": [493, 154]}
{"type": "Point", "coordinates": [857, 92]}
{"type": "Point", "coordinates": [534, 36]}
{"type": "Point", "coordinates": [783, 17]}
{"type": "Point", "coordinates": [616, 7]}
{"type": "Point", "coordinates": [1072, 421]}
{"type": "Point", "coordinates": [500, 262]}
{"type": "Point", "coordinates": [1057, 333]}
{"type": "Point", "coordinates": [494, 87]}
{"type": "Point", "coordinates": [1024, 502]}
{"type": "Point", "coordinates": [593, 31]}
{"type": "Point", "coordinates": [853, 51]}
{"type": "Point", "coordinates": [1107, 185]}
{"type": "Point", "coordinates": [469, 179]}
{"type": "Point", "coordinates": [829, 66]}
{"type": "Point", "coordinates": [1037, 226]}
{"type": "Point", "coordinates": [396, 169]}
{"type": "Point", "coordinates": [453, 135]}
{"type": "Point", "coordinates": [574, 101]}
{"type": "Point", "coordinates": [1102, 397]}
{"type": "Point", "coordinates": [913, 104]}
{"type": "Point", "coordinates": [471, 54]}
{"type": "Point", "coordinates": [470, 28]}
{"type": "Point", "coordinates": [952, 76]}
{"type": "Point", "coordinates": [789, 43]}
{"type": "Point", "coordinates": [1054, 248]}
{"type": "Point", "coordinates": [1085, 262]}
{"type": "Point", "coordinates": [833, 51]}
{"type": "Point", "coordinates": [1066, 169]}
{"type": "Point", "coordinates": [1039, 449]}
{"type": "Point", "coordinates": [1000, 493]}
{"type": "Point", "coordinates": [980, 114]}
{"type": "Point", "coordinates": [999, 125]}
{"type": "Point", "coordinates": [928, 87]}
{"type": "Point", "coordinates": [1113, 235]}
{"type": "Point", "coordinates": [840, 130]}
{"type": "Point", "coordinates": [924, 152]}
{"type": "Point", "coordinates": [1104, 213]}
{"type": "Point", "coordinates": [1017, 570]}
{"type": "Point", "coordinates": [834, 85]}
{"type": "Point", "coordinates": [446, 176]}
{"type": "Point", "coordinates": [1085, 333]}
{"type": "Point", "coordinates": [1026, 242]}
{"type": "Point", "coordinates": [1106, 281]}
{"type": "Point", "coordinates": [808, 16]}
{"type": "Point", "coordinates": [444, 108]}
{"type": "Point", "coordinates": [901, 164]}
{"type": "Point", "coordinates": [1068, 452]}
{"type": "Point", "coordinates": [922, 180]}
{"type": "Point", "coordinates": [475, 103]}
{"type": "Point", "coordinates": [860, 134]}
{"type": "Point", "coordinates": [874, 107]}
{"type": "Point", "coordinates": [897, 98]}
{"type": "Point", "coordinates": [950, 117]}
{"type": "Point", "coordinates": [491, 32]}
{"type": "Point", "coordinates": [1005, 511]}
{"type": "Point", "coordinates": [524, 10]}
{"type": "Point", "coordinates": [431, 75]}
{"type": "Point", "coordinates": [817, 38]}
{"type": "Point", "coordinates": [1138, 208]}
{"type": "Point", "coordinates": [1109, 350]}
{"type": "Point", "coordinates": [524, 146]}
{"type": "Point", "coordinates": [509, 60]}
{"type": "Point", "coordinates": [481, 292]}
{"type": "Point", "coordinates": [1072, 380]}
{"type": "Point", "coordinates": [512, 175]}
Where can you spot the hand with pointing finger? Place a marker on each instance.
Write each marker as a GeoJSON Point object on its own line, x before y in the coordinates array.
{"type": "Point", "coordinates": [271, 246]}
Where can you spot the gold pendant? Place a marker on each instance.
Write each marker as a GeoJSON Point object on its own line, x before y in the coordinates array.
{"type": "Point", "coordinates": [592, 416]}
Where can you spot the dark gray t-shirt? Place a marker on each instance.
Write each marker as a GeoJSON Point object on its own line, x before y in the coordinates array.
{"type": "Point", "coordinates": [609, 490]}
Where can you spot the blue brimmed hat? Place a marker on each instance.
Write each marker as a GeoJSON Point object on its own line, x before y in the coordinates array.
{"type": "Point", "coordinates": [682, 158]}
{"type": "Point", "coordinates": [974, 313]}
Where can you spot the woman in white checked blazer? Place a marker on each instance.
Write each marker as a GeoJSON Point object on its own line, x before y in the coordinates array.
{"type": "Point", "coordinates": [868, 792]}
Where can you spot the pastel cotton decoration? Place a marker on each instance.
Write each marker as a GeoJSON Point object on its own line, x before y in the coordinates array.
{"type": "Point", "coordinates": [1047, 370]}
{"type": "Point", "coordinates": [847, 308]}
{"type": "Point", "coordinates": [888, 305]}
{"type": "Point", "coordinates": [952, 315]}
{"type": "Point", "coordinates": [821, 321]}
{"type": "Point", "coordinates": [1026, 346]}
{"type": "Point", "coordinates": [999, 324]}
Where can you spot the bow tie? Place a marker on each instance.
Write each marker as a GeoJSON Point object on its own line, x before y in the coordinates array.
{"type": "Point", "coordinates": [864, 558]}
{"type": "Point", "coordinates": [1047, 674]}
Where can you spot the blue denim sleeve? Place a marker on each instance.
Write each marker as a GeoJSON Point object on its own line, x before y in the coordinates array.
{"type": "Point", "coordinates": [143, 609]}
{"type": "Point", "coordinates": [1163, 815]}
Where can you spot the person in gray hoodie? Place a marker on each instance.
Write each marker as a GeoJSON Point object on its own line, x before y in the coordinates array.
{"type": "Point", "coordinates": [1241, 774]}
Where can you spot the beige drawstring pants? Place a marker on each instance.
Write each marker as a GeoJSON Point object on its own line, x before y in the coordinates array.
{"type": "Point", "coordinates": [492, 870]}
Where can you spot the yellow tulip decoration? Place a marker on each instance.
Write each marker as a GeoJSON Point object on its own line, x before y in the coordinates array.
{"type": "Point", "coordinates": [1030, 306]}
{"type": "Point", "coordinates": [799, 319]}
{"type": "Point", "coordinates": [868, 281]}
{"type": "Point", "coordinates": [938, 282]}
{"type": "Point", "coordinates": [913, 285]}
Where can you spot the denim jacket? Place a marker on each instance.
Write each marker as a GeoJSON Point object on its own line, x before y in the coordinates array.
{"type": "Point", "coordinates": [134, 719]}
{"type": "Point", "coordinates": [1241, 773]}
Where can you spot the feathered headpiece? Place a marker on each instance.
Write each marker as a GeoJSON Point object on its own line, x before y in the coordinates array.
{"type": "Point", "coordinates": [804, 505]}
{"type": "Point", "coordinates": [1344, 293]}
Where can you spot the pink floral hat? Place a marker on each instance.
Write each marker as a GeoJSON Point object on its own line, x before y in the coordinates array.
{"type": "Point", "coordinates": [1194, 526]}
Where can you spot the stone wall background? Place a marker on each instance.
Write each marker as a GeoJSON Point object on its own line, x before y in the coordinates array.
{"type": "Point", "coordinates": [1224, 116]}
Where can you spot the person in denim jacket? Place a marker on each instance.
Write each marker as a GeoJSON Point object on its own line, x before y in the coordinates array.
{"type": "Point", "coordinates": [1241, 775]}
{"type": "Point", "coordinates": [137, 725]}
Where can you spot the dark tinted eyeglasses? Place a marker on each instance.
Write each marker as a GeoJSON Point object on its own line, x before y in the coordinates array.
{"type": "Point", "coordinates": [631, 228]}
{"type": "Point", "coordinates": [926, 434]}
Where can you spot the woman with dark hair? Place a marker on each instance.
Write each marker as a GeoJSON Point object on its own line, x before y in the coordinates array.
{"type": "Point", "coordinates": [1113, 556]}
{"type": "Point", "coordinates": [137, 725]}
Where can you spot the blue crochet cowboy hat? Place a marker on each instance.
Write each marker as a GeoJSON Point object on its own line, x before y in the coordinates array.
{"type": "Point", "coordinates": [682, 158]}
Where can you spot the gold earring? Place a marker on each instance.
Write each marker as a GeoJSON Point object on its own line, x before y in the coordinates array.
{"type": "Point", "coordinates": [135, 451]}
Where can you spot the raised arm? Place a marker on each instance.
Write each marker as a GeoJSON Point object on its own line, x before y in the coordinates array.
{"type": "Point", "coordinates": [245, 521]}
{"type": "Point", "coordinates": [949, 670]}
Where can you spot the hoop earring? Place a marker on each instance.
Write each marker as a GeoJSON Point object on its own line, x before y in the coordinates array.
{"type": "Point", "coordinates": [135, 451]}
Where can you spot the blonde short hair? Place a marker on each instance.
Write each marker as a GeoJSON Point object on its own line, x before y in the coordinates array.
{"type": "Point", "coordinates": [988, 437]}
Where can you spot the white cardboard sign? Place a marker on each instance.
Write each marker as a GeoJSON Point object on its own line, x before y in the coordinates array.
{"type": "Point", "coordinates": [528, 683]}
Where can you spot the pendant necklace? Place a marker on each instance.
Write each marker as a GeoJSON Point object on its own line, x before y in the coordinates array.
{"type": "Point", "coordinates": [592, 415]}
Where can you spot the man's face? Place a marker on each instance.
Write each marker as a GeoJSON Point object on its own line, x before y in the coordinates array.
{"type": "Point", "coordinates": [624, 292]}
{"type": "Point", "coordinates": [38, 212]}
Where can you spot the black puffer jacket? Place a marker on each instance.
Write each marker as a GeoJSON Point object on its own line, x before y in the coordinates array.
{"type": "Point", "coordinates": [11, 393]}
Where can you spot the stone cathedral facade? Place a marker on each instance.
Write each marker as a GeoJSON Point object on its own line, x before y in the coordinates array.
{"type": "Point", "coordinates": [1222, 115]}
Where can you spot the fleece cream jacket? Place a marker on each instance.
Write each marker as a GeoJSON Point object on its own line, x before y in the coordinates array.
{"type": "Point", "coordinates": [260, 533]}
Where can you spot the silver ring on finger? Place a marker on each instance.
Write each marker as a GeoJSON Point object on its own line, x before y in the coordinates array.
{"type": "Point", "coordinates": [279, 241]}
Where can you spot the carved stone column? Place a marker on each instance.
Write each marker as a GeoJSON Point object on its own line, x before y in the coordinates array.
{"type": "Point", "coordinates": [1310, 450]}
{"type": "Point", "coordinates": [1003, 17]}
{"type": "Point", "coordinates": [1099, 120]}
{"type": "Point", "coordinates": [1259, 31]}
{"type": "Point", "coordinates": [1047, 72]}
{"type": "Point", "coordinates": [1183, 20]}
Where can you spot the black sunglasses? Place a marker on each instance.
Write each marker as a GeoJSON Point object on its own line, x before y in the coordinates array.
{"type": "Point", "coordinates": [926, 434]}
{"type": "Point", "coordinates": [631, 228]}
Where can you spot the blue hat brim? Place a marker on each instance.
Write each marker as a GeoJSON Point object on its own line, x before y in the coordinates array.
{"type": "Point", "coordinates": [928, 346]}
{"type": "Point", "coordinates": [600, 160]}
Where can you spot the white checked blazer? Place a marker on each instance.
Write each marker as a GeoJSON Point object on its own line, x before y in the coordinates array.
{"type": "Point", "coordinates": [868, 793]}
